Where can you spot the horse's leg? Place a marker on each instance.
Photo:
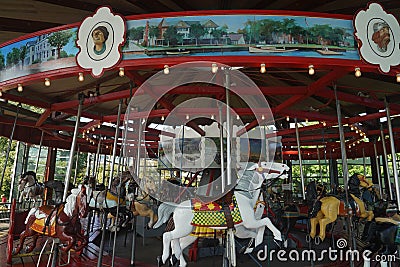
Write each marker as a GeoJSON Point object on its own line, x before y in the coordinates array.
{"type": "Point", "coordinates": [330, 211]}
{"type": "Point", "coordinates": [67, 240]}
{"type": "Point", "coordinates": [185, 242]}
{"type": "Point", "coordinates": [27, 233]}
{"type": "Point", "coordinates": [249, 220]}
{"type": "Point", "coordinates": [182, 218]}
{"type": "Point", "coordinates": [314, 222]}
{"type": "Point", "coordinates": [31, 247]}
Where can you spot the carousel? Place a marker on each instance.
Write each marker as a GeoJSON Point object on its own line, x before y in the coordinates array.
{"type": "Point", "coordinates": [222, 137]}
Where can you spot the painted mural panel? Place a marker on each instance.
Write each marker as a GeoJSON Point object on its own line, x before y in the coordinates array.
{"type": "Point", "coordinates": [216, 35]}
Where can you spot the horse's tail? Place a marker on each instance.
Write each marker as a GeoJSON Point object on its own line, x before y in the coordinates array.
{"type": "Point", "coordinates": [164, 212]}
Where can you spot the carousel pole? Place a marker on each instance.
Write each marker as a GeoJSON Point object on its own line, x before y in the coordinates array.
{"type": "Point", "coordinates": [40, 149]}
{"type": "Point", "coordinates": [221, 145]}
{"type": "Point", "coordinates": [103, 233]}
{"type": "Point", "coordinates": [96, 159]}
{"type": "Point", "coordinates": [386, 163]}
{"type": "Point", "coordinates": [9, 146]}
{"type": "Point", "coordinates": [228, 127]}
{"type": "Point", "coordinates": [117, 213]}
{"type": "Point", "coordinates": [133, 247]}
{"type": "Point", "coordinates": [364, 166]}
{"type": "Point", "coordinates": [393, 149]}
{"type": "Point", "coordinates": [17, 149]}
{"type": "Point", "coordinates": [68, 172]}
{"type": "Point", "coordinates": [300, 160]}
{"type": "Point", "coordinates": [378, 169]}
{"type": "Point", "coordinates": [345, 167]}
{"type": "Point", "coordinates": [76, 165]}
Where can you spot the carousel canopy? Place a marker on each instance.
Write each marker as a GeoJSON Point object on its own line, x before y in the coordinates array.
{"type": "Point", "coordinates": [297, 66]}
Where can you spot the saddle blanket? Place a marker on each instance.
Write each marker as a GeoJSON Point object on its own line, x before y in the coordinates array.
{"type": "Point", "coordinates": [39, 225]}
{"type": "Point", "coordinates": [212, 214]}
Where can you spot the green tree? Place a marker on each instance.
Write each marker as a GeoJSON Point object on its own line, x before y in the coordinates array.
{"type": "Point", "coordinates": [196, 31]}
{"type": "Point", "coordinates": [2, 61]}
{"type": "Point", "coordinates": [15, 55]}
{"type": "Point", "coordinates": [8, 171]}
{"type": "Point", "coordinates": [59, 40]}
{"type": "Point", "coordinates": [172, 36]}
{"type": "Point", "coordinates": [135, 33]}
{"type": "Point", "coordinates": [22, 54]}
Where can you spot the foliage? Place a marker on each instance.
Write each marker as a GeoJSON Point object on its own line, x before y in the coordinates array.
{"type": "Point", "coordinates": [135, 33]}
{"type": "Point", "coordinates": [59, 40]}
{"type": "Point", "coordinates": [172, 36]}
{"type": "Point", "coordinates": [153, 31]}
{"type": "Point", "coordinates": [2, 62]}
{"type": "Point", "coordinates": [8, 171]}
{"type": "Point", "coordinates": [196, 31]}
{"type": "Point", "coordinates": [22, 54]}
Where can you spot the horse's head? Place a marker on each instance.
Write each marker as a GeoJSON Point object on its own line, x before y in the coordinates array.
{"type": "Point", "coordinates": [272, 170]}
{"type": "Point", "coordinates": [311, 191]}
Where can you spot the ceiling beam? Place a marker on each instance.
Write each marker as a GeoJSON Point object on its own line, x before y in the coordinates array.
{"type": "Point", "coordinates": [24, 26]}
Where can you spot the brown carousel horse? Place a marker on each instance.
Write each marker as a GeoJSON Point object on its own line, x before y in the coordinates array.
{"type": "Point", "coordinates": [141, 202]}
{"type": "Point", "coordinates": [325, 209]}
{"type": "Point", "coordinates": [61, 221]}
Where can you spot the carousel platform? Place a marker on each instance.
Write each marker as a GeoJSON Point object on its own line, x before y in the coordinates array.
{"type": "Point", "coordinates": [208, 252]}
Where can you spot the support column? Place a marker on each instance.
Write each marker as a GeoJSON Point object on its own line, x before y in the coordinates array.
{"type": "Point", "coordinates": [50, 171]}
{"type": "Point", "coordinates": [333, 175]}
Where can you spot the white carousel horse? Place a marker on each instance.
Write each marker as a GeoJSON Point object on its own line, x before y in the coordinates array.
{"type": "Point", "coordinates": [109, 200]}
{"type": "Point", "coordinates": [246, 193]}
{"type": "Point", "coordinates": [29, 187]}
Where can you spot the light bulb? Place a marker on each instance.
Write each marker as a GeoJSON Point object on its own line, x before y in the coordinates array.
{"type": "Point", "coordinates": [357, 72]}
{"type": "Point", "coordinates": [187, 117]}
{"type": "Point", "coordinates": [324, 123]}
{"type": "Point", "coordinates": [214, 68]}
{"type": "Point", "coordinates": [121, 72]}
{"type": "Point", "coordinates": [1, 93]}
{"type": "Point", "coordinates": [162, 117]}
{"type": "Point", "coordinates": [237, 117]}
{"type": "Point", "coordinates": [47, 81]}
{"type": "Point", "coordinates": [212, 116]}
{"type": "Point", "coordinates": [20, 88]}
{"type": "Point", "coordinates": [262, 117]}
{"type": "Point", "coordinates": [81, 77]}
{"type": "Point", "coordinates": [311, 70]}
{"type": "Point", "coordinates": [98, 126]}
{"type": "Point", "coordinates": [166, 69]}
{"type": "Point", "coordinates": [398, 77]}
{"type": "Point", "coordinates": [306, 120]}
{"type": "Point", "coordinates": [262, 68]}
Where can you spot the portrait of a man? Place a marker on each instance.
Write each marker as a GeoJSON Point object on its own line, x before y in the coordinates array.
{"type": "Point", "coordinates": [381, 36]}
{"type": "Point", "coordinates": [100, 36]}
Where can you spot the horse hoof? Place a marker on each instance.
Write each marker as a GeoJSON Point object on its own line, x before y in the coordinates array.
{"type": "Point", "coordinates": [173, 260]}
{"type": "Point", "coordinates": [317, 240]}
{"type": "Point", "coordinates": [308, 238]}
{"type": "Point", "coordinates": [159, 261]}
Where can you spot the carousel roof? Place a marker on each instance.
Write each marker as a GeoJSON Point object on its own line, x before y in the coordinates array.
{"type": "Point", "coordinates": [287, 85]}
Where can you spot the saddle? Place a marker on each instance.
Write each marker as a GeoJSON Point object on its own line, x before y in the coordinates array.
{"type": "Point", "coordinates": [45, 221]}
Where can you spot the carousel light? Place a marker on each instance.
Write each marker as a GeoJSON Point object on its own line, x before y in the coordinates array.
{"type": "Point", "coordinates": [333, 150]}
{"type": "Point", "coordinates": [121, 72]}
{"type": "Point", "coordinates": [143, 121]}
{"type": "Point", "coordinates": [287, 118]}
{"type": "Point", "coordinates": [93, 129]}
{"type": "Point", "coordinates": [398, 77]}
{"type": "Point", "coordinates": [166, 69]}
{"type": "Point", "coordinates": [352, 127]}
{"type": "Point", "coordinates": [20, 88]}
{"type": "Point", "coordinates": [47, 81]}
{"type": "Point", "coordinates": [187, 116]}
{"type": "Point", "coordinates": [162, 118]}
{"type": "Point", "coordinates": [354, 144]}
{"type": "Point", "coordinates": [357, 72]}
{"type": "Point", "coordinates": [358, 141]}
{"type": "Point", "coordinates": [262, 117]}
{"type": "Point", "coordinates": [238, 117]}
{"type": "Point", "coordinates": [306, 120]}
{"type": "Point", "coordinates": [262, 68]}
{"type": "Point", "coordinates": [311, 70]}
{"type": "Point", "coordinates": [1, 93]}
{"type": "Point", "coordinates": [81, 77]}
{"type": "Point", "coordinates": [349, 146]}
{"type": "Point", "coordinates": [214, 68]}
{"type": "Point", "coordinates": [98, 126]}
{"type": "Point", "coordinates": [212, 116]}
{"type": "Point", "coordinates": [357, 131]}
{"type": "Point", "coordinates": [324, 123]}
